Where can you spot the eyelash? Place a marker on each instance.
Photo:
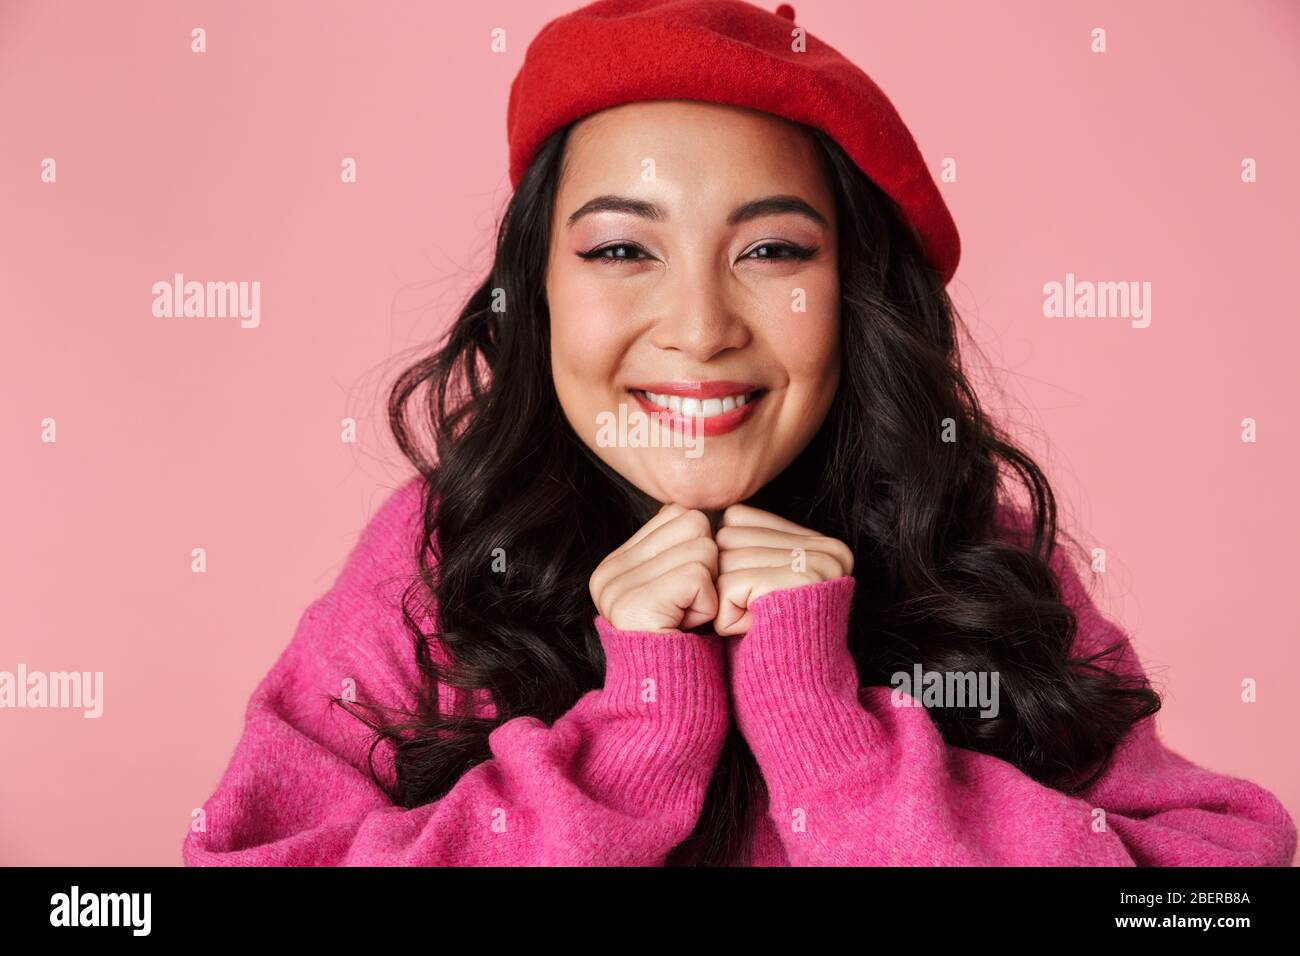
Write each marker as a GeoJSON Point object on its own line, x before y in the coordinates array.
{"type": "Point", "coordinates": [795, 252]}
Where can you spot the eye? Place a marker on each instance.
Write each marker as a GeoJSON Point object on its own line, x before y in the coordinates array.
{"type": "Point", "coordinates": [781, 250]}
{"type": "Point", "coordinates": [615, 252]}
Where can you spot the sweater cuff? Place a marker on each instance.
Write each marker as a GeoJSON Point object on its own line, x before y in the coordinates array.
{"type": "Point", "coordinates": [664, 704]}
{"type": "Point", "coordinates": [795, 687]}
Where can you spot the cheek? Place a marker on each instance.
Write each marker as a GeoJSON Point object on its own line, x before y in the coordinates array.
{"type": "Point", "coordinates": [802, 327]}
{"type": "Point", "coordinates": [814, 354]}
{"type": "Point", "coordinates": [809, 353]}
{"type": "Point", "coordinates": [590, 333]}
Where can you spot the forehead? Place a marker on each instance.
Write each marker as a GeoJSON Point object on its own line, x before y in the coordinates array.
{"type": "Point", "coordinates": [700, 151]}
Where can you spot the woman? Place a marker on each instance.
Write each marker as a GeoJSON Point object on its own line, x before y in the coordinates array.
{"type": "Point", "coordinates": [710, 485]}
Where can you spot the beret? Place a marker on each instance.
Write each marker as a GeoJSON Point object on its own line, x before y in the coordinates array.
{"type": "Point", "coordinates": [731, 52]}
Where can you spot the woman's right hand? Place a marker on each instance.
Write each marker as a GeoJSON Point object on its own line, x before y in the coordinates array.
{"type": "Point", "coordinates": [662, 578]}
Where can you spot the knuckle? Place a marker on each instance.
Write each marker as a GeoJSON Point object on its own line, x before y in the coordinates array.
{"type": "Point", "coordinates": [824, 563]}
{"type": "Point", "coordinates": [845, 554]}
{"type": "Point", "coordinates": [698, 521]}
{"type": "Point", "coordinates": [611, 610]}
{"type": "Point", "coordinates": [613, 592]}
{"type": "Point", "coordinates": [836, 550]}
{"type": "Point", "coordinates": [708, 546]}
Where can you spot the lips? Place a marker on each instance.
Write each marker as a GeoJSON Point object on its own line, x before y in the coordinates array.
{"type": "Point", "coordinates": [718, 388]}
{"type": "Point", "coordinates": [712, 408]}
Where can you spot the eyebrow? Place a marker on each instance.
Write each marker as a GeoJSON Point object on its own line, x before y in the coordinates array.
{"type": "Point", "coordinates": [767, 206]}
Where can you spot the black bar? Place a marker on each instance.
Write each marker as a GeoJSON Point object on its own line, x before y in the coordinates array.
{"type": "Point", "coordinates": [569, 904]}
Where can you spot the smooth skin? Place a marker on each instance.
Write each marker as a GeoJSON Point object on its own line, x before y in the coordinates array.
{"type": "Point", "coordinates": [675, 574]}
{"type": "Point", "coordinates": [675, 286]}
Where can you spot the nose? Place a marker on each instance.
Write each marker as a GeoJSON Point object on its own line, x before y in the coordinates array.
{"type": "Point", "coordinates": [698, 316]}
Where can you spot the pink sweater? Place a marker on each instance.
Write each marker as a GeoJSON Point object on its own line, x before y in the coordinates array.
{"type": "Point", "coordinates": [621, 777]}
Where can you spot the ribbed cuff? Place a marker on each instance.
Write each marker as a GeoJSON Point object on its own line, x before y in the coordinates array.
{"type": "Point", "coordinates": [795, 687]}
{"type": "Point", "coordinates": [664, 712]}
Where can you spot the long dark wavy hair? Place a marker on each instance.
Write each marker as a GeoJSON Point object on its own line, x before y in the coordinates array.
{"type": "Point", "coordinates": [936, 582]}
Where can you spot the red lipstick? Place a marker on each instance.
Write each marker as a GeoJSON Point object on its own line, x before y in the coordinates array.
{"type": "Point", "coordinates": [717, 388]}
{"type": "Point", "coordinates": [719, 424]}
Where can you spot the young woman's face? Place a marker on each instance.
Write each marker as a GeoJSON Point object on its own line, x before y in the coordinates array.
{"type": "Point", "coordinates": [665, 278]}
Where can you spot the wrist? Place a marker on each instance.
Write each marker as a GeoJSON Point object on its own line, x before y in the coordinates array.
{"type": "Point", "coordinates": [795, 686]}
{"type": "Point", "coordinates": [672, 682]}
{"type": "Point", "coordinates": [798, 639]}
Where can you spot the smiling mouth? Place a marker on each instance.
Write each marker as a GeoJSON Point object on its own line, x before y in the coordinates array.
{"type": "Point", "coordinates": [695, 406]}
{"type": "Point", "coordinates": [703, 408]}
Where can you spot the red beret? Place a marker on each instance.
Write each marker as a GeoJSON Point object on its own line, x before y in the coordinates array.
{"type": "Point", "coordinates": [724, 51]}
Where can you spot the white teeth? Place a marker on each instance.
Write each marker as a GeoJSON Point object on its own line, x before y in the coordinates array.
{"type": "Point", "coordinates": [700, 408]}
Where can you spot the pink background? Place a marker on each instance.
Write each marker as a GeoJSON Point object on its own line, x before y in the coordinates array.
{"type": "Point", "coordinates": [183, 433]}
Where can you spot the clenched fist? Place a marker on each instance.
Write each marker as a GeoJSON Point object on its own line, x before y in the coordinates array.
{"type": "Point", "coordinates": [759, 552]}
{"type": "Point", "coordinates": [662, 578]}
{"type": "Point", "coordinates": [676, 574]}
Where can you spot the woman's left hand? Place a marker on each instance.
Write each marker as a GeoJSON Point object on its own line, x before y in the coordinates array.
{"type": "Point", "coordinates": [759, 552]}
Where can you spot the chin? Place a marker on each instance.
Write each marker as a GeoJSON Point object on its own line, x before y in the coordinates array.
{"type": "Point", "coordinates": [702, 495]}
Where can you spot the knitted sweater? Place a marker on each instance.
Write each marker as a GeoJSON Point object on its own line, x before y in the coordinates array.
{"type": "Point", "coordinates": [620, 778]}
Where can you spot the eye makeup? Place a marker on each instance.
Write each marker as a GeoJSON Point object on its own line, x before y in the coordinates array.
{"type": "Point", "coordinates": [776, 251]}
